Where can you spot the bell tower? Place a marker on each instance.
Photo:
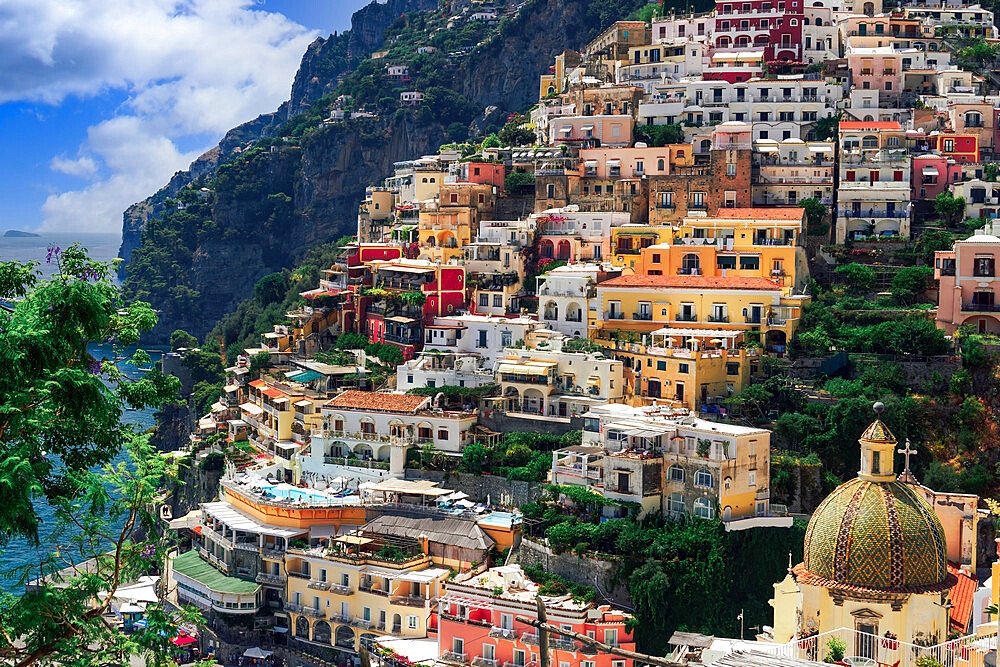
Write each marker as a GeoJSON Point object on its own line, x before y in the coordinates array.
{"type": "Point", "coordinates": [878, 446]}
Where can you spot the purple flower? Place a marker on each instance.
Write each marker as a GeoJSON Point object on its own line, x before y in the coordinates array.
{"type": "Point", "coordinates": [95, 368]}
{"type": "Point", "coordinates": [148, 551]}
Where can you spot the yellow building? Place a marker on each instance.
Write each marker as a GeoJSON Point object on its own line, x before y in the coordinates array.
{"type": "Point", "coordinates": [336, 598]}
{"type": "Point", "coordinates": [875, 562]}
{"type": "Point", "coordinates": [444, 232]}
{"type": "Point", "coordinates": [685, 367]}
{"type": "Point", "coordinates": [555, 81]}
{"type": "Point", "coordinates": [631, 306]}
{"type": "Point", "coordinates": [628, 243]}
{"type": "Point", "coordinates": [272, 410]}
{"type": "Point", "coordinates": [744, 242]}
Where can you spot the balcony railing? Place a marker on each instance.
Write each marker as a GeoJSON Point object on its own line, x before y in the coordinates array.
{"type": "Point", "coordinates": [871, 213]}
{"type": "Point", "coordinates": [554, 641]}
{"type": "Point", "coordinates": [367, 588]}
{"type": "Point", "coordinates": [453, 656]}
{"type": "Point", "coordinates": [615, 316]}
{"type": "Point", "coordinates": [408, 600]}
{"type": "Point", "coordinates": [687, 317]}
{"type": "Point", "coordinates": [505, 633]}
{"type": "Point", "coordinates": [981, 307]}
{"type": "Point", "coordinates": [340, 589]}
{"type": "Point", "coordinates": [484, 662]}
{"type": "Point", "coordinates": [363, 623]}
{"type": "Point", "coordinates": [688, 271]}
{"type": "Point", "coordinates": [265, 578]}
{"type": "Point", "coordinates": [718, 318]}
{"type": "Point", "coordinates": [319, 585]}
{"type": "Point", "coordinates": [642, 316]}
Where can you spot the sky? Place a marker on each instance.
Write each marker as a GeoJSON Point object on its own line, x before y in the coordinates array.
{"type": "Point", "coordinates": [101, 101]}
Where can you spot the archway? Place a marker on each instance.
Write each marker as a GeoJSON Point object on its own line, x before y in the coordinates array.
{"type": "Point", "coordinates": [706, 145]}
{"type": "Point", "coordinates": [546, 249]}
{"type": "Point", "coordinates": [574, 312]}
{"type": "Point", "coordinates": [564, 250]}
{"type": "Point", "coordinates": [363, 451]}
{"type": "Point", "coordinates": [533, 402]}
{"type": "Point", "coordinates": [321, 632]}
{"type": "Point", "coordinates": [691, 264]}
{"type": "Point", "coordinates": [551, 311]}
{"type": "Point", "coordinates": [397, 624]}
{"type": "Point", "coordinates": [512, 399]}
{"type": "Point", "coordinates": [776, 340]}
{"type": "Point", "coordinates": [302, 627]}
{"type": "Point", "coordinates": [345, 637]}
{"type": "Point", "coordinates": [869, 9]}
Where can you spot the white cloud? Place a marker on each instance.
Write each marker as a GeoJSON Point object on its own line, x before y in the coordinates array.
{"type": "Point", "coordinates": [82, 166]}
{"type": "Point", "coordinates": [192, 69]}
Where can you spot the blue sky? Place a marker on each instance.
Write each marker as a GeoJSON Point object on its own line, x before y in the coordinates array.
{"type": "Point", "coordinates": [101, 101]}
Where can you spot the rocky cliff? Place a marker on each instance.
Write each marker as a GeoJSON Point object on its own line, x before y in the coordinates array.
{"type": "Point", "coordinates": [323, 174]}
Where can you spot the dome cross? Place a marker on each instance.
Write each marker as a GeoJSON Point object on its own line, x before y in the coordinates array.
{"type": "Point", "coordinates": [906, 452]}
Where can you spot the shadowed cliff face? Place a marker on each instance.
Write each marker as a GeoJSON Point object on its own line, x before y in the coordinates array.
{"type": "Point", "coordinates": [326, 179]}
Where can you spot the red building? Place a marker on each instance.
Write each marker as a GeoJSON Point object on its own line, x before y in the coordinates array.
{"type": "Point", "coordinates": [960, 147]}
{"type": "Point", "coordinates": [485, 173]}
{"type": "Point", "coordinates": [405, 295]}
{"type": "Point", "coordinates": [772, 25]}
{"type": "Point", "coordinates": [931, 175]}
{"type": "Point", "coordinates": [477, 623]}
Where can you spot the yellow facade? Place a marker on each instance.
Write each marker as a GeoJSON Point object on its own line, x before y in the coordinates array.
{"type": "Point", "coordinates": [427, 184]}
{"type": "Point", "coordinates": [629, 242]}
{"type": "Point", "coordinates": [443, 233]}
{"type": "Point", "coordinates": [355, 596]}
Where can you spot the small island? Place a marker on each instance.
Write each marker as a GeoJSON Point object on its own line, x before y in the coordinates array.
{"type": "Point", "coordinates": [18, 234]}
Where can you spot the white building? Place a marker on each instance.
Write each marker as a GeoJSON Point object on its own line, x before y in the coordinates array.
{"type": "Point", "coordinates": [564, 295]}
{"type": "Point", "coordinates": [432, 369]}
{"type": "Point", "coordinates": [484, 335]}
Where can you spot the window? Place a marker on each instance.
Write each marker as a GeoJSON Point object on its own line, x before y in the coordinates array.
{"type": "Point", "coordinates": [733, 368]}
{"type": "Point", "coordinates": [703, 508]}
{"type": "Point", "coordinates": [656, 258]}
{"type": "Point", "coordinates": [611, 637]}
{"type": "Point", "coordinates": [442, 434]}
{"type": "Point", "coordinates": [550, 191]}
{"type": "Point", "coordinates": [697, 200]}
{"type": "Point", "coordinates": [703, 478]}
{"type": "Point", "coordinates": [749, 262]}
{"type": "Point", "coordinates": [752, 478]}
{"type": "Point", "coordinates": [682, 368]}
{"type": "Point", "coordinates": [675, 505]}
{"type": "Point", "coordinates": [482, 339]}
{"type": "Point", "coordinates": [661, 365]}
{"type": "Point", "coordinates": [676, 474]}
{"type": "Point", "coordinates": [505, 338]}
{"type": "Point", "coordinates": [983, 267]}
{"type": "Point", "coordinates": [412, 622]}
{"type": "Point", "coordinates": [498, 300]}
{"type": "Point", "coordinates": [659, 164]}
{"type": "Point", "coordinates": [484, 300]}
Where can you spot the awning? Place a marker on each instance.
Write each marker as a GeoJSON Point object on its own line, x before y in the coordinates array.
{"type": "Point", "coordinates": [251, 409]}
{"type": "Point", "coordinates": [590, 163]}
{"type": "Point", "coordinates": [303, 403]}
{"type": "Point", "coordinates": [565, 130]}
{"type": "Point", "coordinates": [353, 539]}
{"type": "Point", "coordinates": [408, 269]}
{"type": "Point", "coordinates": [929, 171]}
{"type": "Point", "coordinates": [519, 368]}
{"type": "Point", "coordinates": [587, 128]}
{"type": "Point", "coordinates": [821, 149]}
{"type": "Point", "coordinates": [594, 381]}
{"type": "Point", "coordinates": [614, 163]}
{"type": "Point", "coordinates": [767, 149]}
{"type": "Point", "coordinates": [183, 640]}
{"type": "Point", "coordinates": [400, 319]}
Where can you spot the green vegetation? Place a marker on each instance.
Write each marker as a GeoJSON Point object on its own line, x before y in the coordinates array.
{"type": "Point", "coordinates": [61, 425]}
{"type": "Point", "coordinates": [581, 345]}
{"type": "Point", "coordinates": [516, 180]}
{"type": "Point", "coordinates": [554, 585]}
{"type": "Point", "coordinates": [513, 134]}
{"type": "Point", "coordinates": [950, 208]}
{"type": "Point", "coordinates": [660, 135]}
{"type": "Point", "coordinates": [816, 216]}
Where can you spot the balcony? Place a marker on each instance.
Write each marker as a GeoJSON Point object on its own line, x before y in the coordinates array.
{"type": "Point", "coordinates": [408, 600]}
{"type": "Point", "coordinates": [340, 589]}
{"type": "Point", "coordinates": [614, 315]}
{"type": "Point", "coordinates": [719, 318]}
{"type": "Point", "coordinates": [363, 623]}
{"type": "Point", "coordinates": [686, 317]}
{"type": "Point", "coordinates": [872, 213]}
{"type": "Point", "coordinates": [981, 307]}
{"type": "Point", "coordinates": [367, 588]}
{"type": "Point", "coordinates": [688, 271]}
{"type": "Point", "coordinates": [273, 579]}
{"type": "Point", "coordinates": [275, 554]}
{"type": "Point", "coordinates": [300, 575]}
{"type": "Point", "coordinates": [554, 641]}
{"type": "Point", "coordinates": [503, 633]}
{"type": "Point", "coordinates": [452, 656]}
{"type": "Point", "coordinates": [319, 585]}
{"type": "Point", "coordinates": [484, 662]}
{"type": "Point", "coordinates": [646, 317]}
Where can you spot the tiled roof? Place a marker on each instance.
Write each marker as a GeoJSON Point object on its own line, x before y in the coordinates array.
{"type": "Point", "coordinates": [776, 213]}
{"type": "Point", "coordinates": [257, 384]}
{"type": "Point", "coordinates": [693, 282]}
{"type": "Point", "coordinates": [961, 599]}
{"type": "Point", "coordinates": [273, 393]}
{"type": "Point", "coordinates": [870, 125]}
{"type": "Point", "coordinates": [802, 575]}
{"type": "Point", "coordinates": [369, 400]}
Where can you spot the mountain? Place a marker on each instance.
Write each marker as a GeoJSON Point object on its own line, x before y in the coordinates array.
{"type": "Point", "coordinates": [289, 180]}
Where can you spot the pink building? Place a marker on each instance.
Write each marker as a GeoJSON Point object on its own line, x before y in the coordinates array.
{"type": "Point", "coordinates": [478, 623]}
{"type": "Point", "coordinates": [615, 163]}
{"type": "Point", "coordinates": [877, 68]}
{"type": "Point", "coordinates": [486, 173]}
{"type": "Point", "coordinates": [772, 25]}
{"type": "Point", "coordinates": [968, 284]}
{"type": "Point", "coordinates": [931, 175]}
{"type": "Point", "coordinates": [587, 131]}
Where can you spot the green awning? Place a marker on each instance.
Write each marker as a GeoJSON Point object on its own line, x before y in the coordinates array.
{"type": "Point", "coordinates": [303, 376]}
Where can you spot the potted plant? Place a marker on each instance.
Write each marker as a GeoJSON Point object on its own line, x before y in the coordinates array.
{"type": "Point", "coordinates": [890, 641]}
{"type": "Point", "coordinates": [835, 650]}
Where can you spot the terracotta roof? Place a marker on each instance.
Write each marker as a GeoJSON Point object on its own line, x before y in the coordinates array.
{"type": "Point", "coordinates": [693, 282]}
{"type": "Point", "coordinates": [273, 393]}
{"type": "Point", "coordinates": [368, 400]}
{"type": "Point", "coordinates": [804, 576]}
{"type": "Point", "coordinates": [961, 599]}
{"type": "Point", "coordinates": [776, 213]}
{"type": "Point", "coordinates": [870, 125]}
{"type": "Point", "coordinates": [257, 384]}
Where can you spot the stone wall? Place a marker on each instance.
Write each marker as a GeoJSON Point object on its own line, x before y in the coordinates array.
{"type": "Point", "coordinates": [500, 422]}
{"type": "Point", "coordinates": [499, 490]}
{"type": "Point", "coordinates": [580, 569]}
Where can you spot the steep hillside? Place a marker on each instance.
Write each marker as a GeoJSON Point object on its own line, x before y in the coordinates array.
{"type": "Point", "coordinates": [267, 205]}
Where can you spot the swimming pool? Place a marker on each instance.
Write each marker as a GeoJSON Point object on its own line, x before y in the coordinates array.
{"type": "Point", "coordinates": [283, 491]}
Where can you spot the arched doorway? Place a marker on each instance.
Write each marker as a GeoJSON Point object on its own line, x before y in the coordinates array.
{"type": "Point", "coordinates": [345, 637]}
{"type": "Point", "coordinates": [691, 264]}
{"type": "Point", "coordinates": [512, 399]}
{"type": "Point", "coordinates": [397, 624]}
{"type": "Point", "coordinates": [533, 402]}
{"type": "Point", "coordinates": [564, 250]}
{"type": "Point", "coordinates": [321, 632]}
{"type": "Point", "coordinates": [551, 311]}
{"type": "Point", "coordinates": [776, 340]}
{"type": "Point", "coordinates": [545, 249]}
{"type": "Point", "coordinates": [574, 313]}
{"type": "Point", "coordinates": [302, 627]}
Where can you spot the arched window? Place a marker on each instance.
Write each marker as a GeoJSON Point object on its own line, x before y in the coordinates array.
{"type": "Point", "coordinates": [703, 478]}
{"type": "Point", "coordinates": [973, 119]}
{"type": "Point", "coordinates": [727, 483]}
{"type": "Point", "coordinates": [675, 503]}
{"type": "Point", "coordinates": [659, 164]}
{"type": "Point", "coordinates": [793, 22]}
{"type": "Point", "coordinates": [869, 141]}
{"type": "Point", "coordinates": [675, 474]}
{"type": "Point", "coordinates": [691, 264]}
{"type": "Point", "coordinates": [703, 508]}
{"type": "Point", "coordinates": [819, 21]}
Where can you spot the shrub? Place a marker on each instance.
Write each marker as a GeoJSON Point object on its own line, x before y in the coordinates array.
{"type": "Point", "coordinates": [835, 649]}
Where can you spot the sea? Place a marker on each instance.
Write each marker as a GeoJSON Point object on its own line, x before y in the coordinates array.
{"type": "Point", "coordinates": [102, 247]}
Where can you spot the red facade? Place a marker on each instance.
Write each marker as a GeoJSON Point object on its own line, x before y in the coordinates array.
{"type": "Point", "coordinates": [772, 25]}
{"type": "Point", "coordinates": [486, 173]}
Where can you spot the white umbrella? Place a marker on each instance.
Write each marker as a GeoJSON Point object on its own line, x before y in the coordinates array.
{"type": "Point", "coordinates": [256, 652]}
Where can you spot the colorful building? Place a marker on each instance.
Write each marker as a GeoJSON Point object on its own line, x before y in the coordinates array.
{"type": "Point", "coordinates": [968, 284]}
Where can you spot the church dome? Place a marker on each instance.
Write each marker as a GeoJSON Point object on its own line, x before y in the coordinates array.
{"type": "Point", "coordinates": [876, 532]}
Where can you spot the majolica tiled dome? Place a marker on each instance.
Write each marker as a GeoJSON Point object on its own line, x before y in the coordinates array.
{"type": "Point", "coordinates": [876, 535]}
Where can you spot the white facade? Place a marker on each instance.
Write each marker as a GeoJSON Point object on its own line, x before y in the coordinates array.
{"type": "Point", "coordinates": [439, 370]}
{"type": "Point", "coordinates": [484, 335]}
{"type": "Point", "coordinates": [564, 295]}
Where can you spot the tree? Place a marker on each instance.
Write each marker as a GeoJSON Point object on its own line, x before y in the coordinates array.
{"type": "Point", "coordinates": [492, 141]}
{"type": "Point", "coordinates": [660, 135]}
{"type": "Point", "coordinates": [271, 288]}
{"type": "Point", "coordinates": [458, 132]}
{"type": "Point", "coordinates": [857, 276]}
{"type": "Point", "coordinates": [474, 456]}
{"type": "Point", "coordinates": [517, 180]}
{"type": "Point", "coordinates": [911, 281]}
{"type": "Point", "coordinates": [181, 338]}
{"type": "Point", "coordinates": [949, 207]}
{"type": "Point", "coordinates": [513, 133]}
{"type": "Point", "coordinates": [815, 215]}
{"type": "Point", "coordinates": [932, 240]}
{"type": "Point", "coordinates": [61, 424]}
{"type": "Point", "coordinates": [826, 129]}
{"type": "Point", "coordinates": [204, 367]}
